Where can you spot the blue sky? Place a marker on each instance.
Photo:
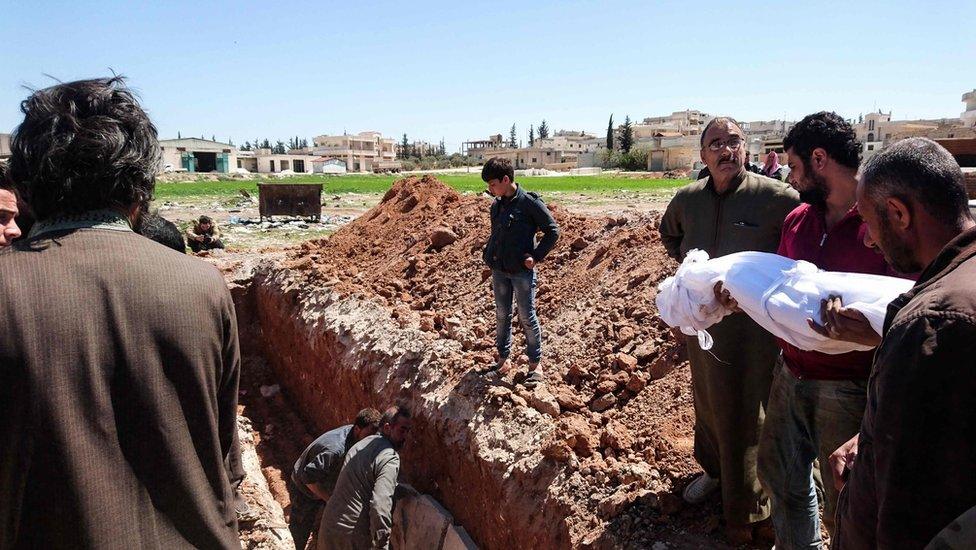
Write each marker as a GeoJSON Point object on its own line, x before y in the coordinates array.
{"type": "Point", "coordinates": [462, 70]}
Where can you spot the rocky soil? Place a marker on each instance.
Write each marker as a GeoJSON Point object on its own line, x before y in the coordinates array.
{"type": "Point", "coordinates": [397, 305]}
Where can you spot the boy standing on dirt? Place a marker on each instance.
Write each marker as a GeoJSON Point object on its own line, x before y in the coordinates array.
{"type": "Point", "coordinates": [512, 254]}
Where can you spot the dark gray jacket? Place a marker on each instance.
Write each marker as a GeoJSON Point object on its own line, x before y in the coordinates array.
{"type": "Point", "coordinates": [514, 223]}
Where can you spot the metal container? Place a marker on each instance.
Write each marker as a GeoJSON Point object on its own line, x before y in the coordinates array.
{"type": "Point", "coordinates": [290, 199]}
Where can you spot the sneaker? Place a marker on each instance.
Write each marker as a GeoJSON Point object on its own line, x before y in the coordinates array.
{"type": "Point", "coordinates": [698, 490]}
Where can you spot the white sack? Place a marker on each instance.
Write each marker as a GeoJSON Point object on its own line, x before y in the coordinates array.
{"type": "Point", "coordinates": [778, 293]}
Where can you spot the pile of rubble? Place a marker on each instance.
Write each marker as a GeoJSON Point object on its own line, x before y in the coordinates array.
{"type": "Point", "coordinates": [398, 304]}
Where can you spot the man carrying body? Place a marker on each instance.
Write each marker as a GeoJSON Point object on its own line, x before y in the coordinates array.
{"type": "Point", "coordinates": [730, 211]}
{"type": "Point", "coordinates": [204, 235]}
{"type": "Point", "coordinates": [118, 424]}
{"type": "Point", "coordinates": [817, 400]}
{"type": "Point", "coordinates": [512, 254]}
{"type": "Point", "coordinates": [315, 474]}
{"type": "Point", "coordinates": [915, 467]}
{"type": "Point", "coordinates": [8, 209]}
{"type": "Point", "coordinates": [359, 513]}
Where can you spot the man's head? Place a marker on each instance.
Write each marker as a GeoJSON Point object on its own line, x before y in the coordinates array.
{"type": "Point", "coordinates": [907, 193]}
{"type": "Point", "coordinates": [367, 423]}
{"type": "Point", "coordinates": [8, 209]}
{"type": "Point", "coordinates": [395, 425]}
{"type": "Point", "coordinates": [205, 223]}
{"type": "Point", "coordinates": [500, 177]}
{"type": "Point", "coordinates": [723, 148]}
{"type": "Point", "coordinates": [163, 231]}
{"type": "Point", "coordinates": [819, 146]}
{"type": "Point", "coordinates": [84, 145]}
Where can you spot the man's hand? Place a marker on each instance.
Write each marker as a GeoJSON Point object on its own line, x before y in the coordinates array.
{"type": "Point", "coordinates": [842, 460]}
{"type": "Point", "coordinates": [529, 262]}
{"type": "Point", "coordinates": [724, 298]}
{"type": "Point", "coordinates": [841, 323]}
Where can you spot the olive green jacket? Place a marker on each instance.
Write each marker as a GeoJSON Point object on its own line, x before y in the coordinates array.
{"type": "Point", "coordinates": [749, 216]}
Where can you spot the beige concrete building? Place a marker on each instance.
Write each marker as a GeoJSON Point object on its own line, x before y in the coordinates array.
{"type": "Point", "coordinates": [689, 122]}
{"type": "Point", "coordinates": [197, 155]}
{"type": "Point", "coordinates": [362, 152]}
{"type": "Point", "coordinates": [477, 148]}
{"type": "Point", "coordinates": [417, 148]}
{"type": "Point", "coordinates": [4, 146]}
{"type": "Point", "coordinates": [571, 141]}
{"type": "Point", "coordinates": [533, 157]}
{"type": "Point", "coordinates": [263, 161]}
{"type": "Point", "coordinates": [968, 117]}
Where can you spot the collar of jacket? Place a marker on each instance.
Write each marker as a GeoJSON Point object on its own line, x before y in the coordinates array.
{"type": "Point", "coordinates": [519, 193]}
{"type": "Point", "coordinates": [957, 251]}
{"type": "Point", "coordinates": [93, 219]}
{"type": "Point", "coordinates": [733, 185]}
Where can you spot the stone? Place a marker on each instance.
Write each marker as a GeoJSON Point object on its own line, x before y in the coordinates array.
{"type": "Point", "coordinates": [423, 523]}
{"type": "Point", "coordinates": [636, 383]}
{"type": "Point", "coordinates": [541, 400]}
{"type": "Point", "coordinates": [606, 386]}
{"type": "Point", "coordinates": [614, 504]}
{"type": "Point", "coordinates": [616, 436]}
{"type": "Point", "coordinates": [579, 244]}
{"type": "Point", "coordinates": [645, 351]}
{"type": "Point", "coordinates": [626, 362]}
{"type": "Point", "coordinates": [603, 402]}
{"type": "Point", "coordinates": [557, 450]}
{"type": "Point", "coordinates": [457, 538]}
{"type": "Point", "coordinates": [625, 334]}
{"type": "Point", "coordinates": [568, 399]}
{"type": "Point", "coordinates": [578, 434]}
{"type": "Point", "coordinates": [442, 237]}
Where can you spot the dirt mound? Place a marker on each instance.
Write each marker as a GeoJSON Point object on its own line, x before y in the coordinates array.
{"type": "Point", "coordinates": [614, 423]}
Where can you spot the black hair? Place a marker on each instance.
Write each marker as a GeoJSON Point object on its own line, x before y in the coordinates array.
{"type": "Point", "coordinates": [368, 417]}
{"type": "Point", "coordinates": [394, 413]}
{"type": "Point", "coordinates": [205, 219]}
{"type": "Point", "coordinates": [713, 122]}
{"type": "Point", "coordinates": [918, 169]}
{"type": "Point", "coordinates": [5, 181]}
{"type": "Point", "coordinates": [84, 145]}
{"type": "Point", "coordinates": [828, 131]}
{"type": "Point", "coordinates": [155, 227]}
{"type": "Point", "coordinates": [496, 168]}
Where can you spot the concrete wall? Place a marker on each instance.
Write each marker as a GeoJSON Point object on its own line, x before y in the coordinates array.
{"type": "Point", "coordinates": [173, 150]}
{"type": "Point", "coordinates": [421, 522]}
{"type": "Point", "coordinates": [283, 162]}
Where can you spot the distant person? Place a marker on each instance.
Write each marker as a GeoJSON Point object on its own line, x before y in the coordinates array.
{"type": "Point", "coordinates": [732, 211]}
{"type": "Point", "coordinates": [512, 253]}
{"type": "Point", "coordinates": [911, 471]}
{"type": "Point", "coordinates": [750, 166]}
{"type": "Point", "coordinates": [313, 479]}
{"type": "Point", "coordinates": [772, 168]}
{"type": "Point", "coordinates": [203, 235]}
{"type": "Point", "coordinates": [359, 513]}
{"type": "Point", "coordinates": [8, 209]}
{"type": "Point", "coordinates": [118, 420]}
{"type": "Point", "coordinates": [157, 228]}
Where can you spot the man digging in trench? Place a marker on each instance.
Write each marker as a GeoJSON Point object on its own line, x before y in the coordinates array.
{"type": "Point", "coordinates": [512, 254]}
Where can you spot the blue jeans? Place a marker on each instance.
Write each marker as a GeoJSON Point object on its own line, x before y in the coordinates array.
{"type": "Point", "coordinates": [806, 420]}
{"type": "Point", "coordinates": [522, 285]}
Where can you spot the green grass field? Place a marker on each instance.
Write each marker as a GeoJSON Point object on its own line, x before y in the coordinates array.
{"type": "Point", "coordinates": [167, 191]}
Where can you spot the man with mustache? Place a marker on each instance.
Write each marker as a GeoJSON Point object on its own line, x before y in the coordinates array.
{"type": "Point", "coordinates": [817, 400]}
{"type": "Point", "coordinates": [915, 467]}
{"type": "Point", "coordinates": [731, 210]}
{"type": "Point", "coordinates": [359, 513]}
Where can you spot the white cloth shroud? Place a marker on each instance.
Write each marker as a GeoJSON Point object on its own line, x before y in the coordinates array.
{"type": "Point", "coordinates": [778, 293]}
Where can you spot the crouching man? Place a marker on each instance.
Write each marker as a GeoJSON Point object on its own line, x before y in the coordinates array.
{"type": "Point", "coordinates": [359, 514]}
{"type": "Point", "coordinates": [512, 254]}
{"type": "Point", "coordinates": [317, 471]}
{"type": "Point", "coordinates": [204, 235]}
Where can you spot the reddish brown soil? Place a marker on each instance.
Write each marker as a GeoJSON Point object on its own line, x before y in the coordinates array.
{"type": "Point", "coordinates": [601, 467]}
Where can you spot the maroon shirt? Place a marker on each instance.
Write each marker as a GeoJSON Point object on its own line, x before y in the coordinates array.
{"type": "Point", "coordinates": [841, 248]}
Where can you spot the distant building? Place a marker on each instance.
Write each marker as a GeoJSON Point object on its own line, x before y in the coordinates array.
{"type": "Point", "coordinates": [263, 161]}
{"type": "Point", "coordinates": [4, 146]}
{"type": "Point", "coordinates": [477, 148]}
{"type": "Point", "coordinates": [324, 165]}
{"type": "Point", "coordinates": [968, 117]}
{"type": "Point", "coordinates": [197, 155]}
{"type": "Point", "coordinates": [362, 152]}
{"type": "Point", "coordinates": [416, 149]}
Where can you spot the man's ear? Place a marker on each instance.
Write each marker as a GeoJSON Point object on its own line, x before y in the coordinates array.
{"type": "Point", "coordinates": [899, 214]}
{"type": "Point", "coordinates": [818, 158]}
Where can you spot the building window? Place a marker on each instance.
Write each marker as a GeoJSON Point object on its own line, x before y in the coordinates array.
{"type": "Point", "coordinates": [870, 147]}
{"type": "Point", "coordinates": [272, 166]}
{"type": "Point", "coordinates": [870, 125]}
{"type": "Point", "coordinates": [534, 160]}
{"type": "Point", "coordinates": [870, 137]}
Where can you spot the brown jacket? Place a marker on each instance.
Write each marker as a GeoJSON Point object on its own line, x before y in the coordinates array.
{"type": "Point", "coordinates": [916, 466]}
{"type": "Point", "coordinates": [117, 418]}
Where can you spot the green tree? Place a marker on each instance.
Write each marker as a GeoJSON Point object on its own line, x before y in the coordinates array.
{"type": "Point", "coordinates": [279, 148]}
{"type": "Point", "coordinates": [512, 141]}
{"type": "Point", "coordinates": [531, 136]}
{"type": "Point", "coordinates": [543, 130]}
{"type": "Point", "coordinates": [265, 144]}
{"type": "Point", "coordinates": [230, 142]}
{"type": "Point", "coordinates": [178, 136]}
{"type": "Point", "coordinates": [213, 137]}
{"type": "Point", "coordinates": [246, 146]}
{"type": "Point", "coordinates": [404, 147]}
{"type": "Point", "coordinates": [610, 134]}
{"type": "Point", "coordinates": [626, 135]}
{"type": "Point", "coordinates": [443, 148]}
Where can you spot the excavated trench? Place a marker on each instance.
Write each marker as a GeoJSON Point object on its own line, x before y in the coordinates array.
{"type": "Point", "coordinates": [395, 308]}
